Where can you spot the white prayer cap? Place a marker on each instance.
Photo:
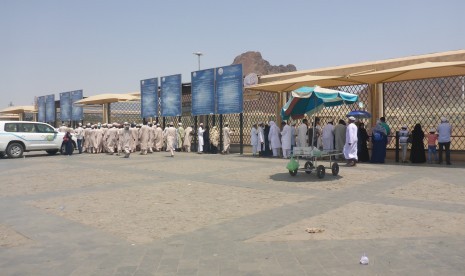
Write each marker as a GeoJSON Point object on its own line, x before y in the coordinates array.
{"type": "Point", "coordinates": [179, 124]}
{"type": "Point", "coordinates": [126, 123]}
{"type": "Point", "coordinates": [404, 126]}
{"type": "Point", "coordinates": [443, 119]}
{"type": "Point", "coordinates": [171, 123]}
{"type": "Point", "coordinates": [201, 124]}
{"type": "Point", "coordinates": [352, 118]}
{"type": "Point", "coordinates": [80, 124]}
{"type": "Point", "coordinates": [432, 130]}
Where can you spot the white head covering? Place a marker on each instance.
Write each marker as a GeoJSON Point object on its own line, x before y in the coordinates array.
{"type": "Point", "coordinates": [443, 119]}
{"type": "Point", "coordinates": [352, 118]}
{"type": "Point", "coordinates": [179, 124]}
{"type": "Point", "coordinates": [404, 126]}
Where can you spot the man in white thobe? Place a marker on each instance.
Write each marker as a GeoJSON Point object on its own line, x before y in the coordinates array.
{"type": "Point", "coordinates": [112, 138]}
{"type": "Point", "coordinates": [159, 138]}
{"type": "Point", "coordinates": [261, 138]}
{"type": "Point", "coordinates": [254, 139]}
{"type": "Point", "coordinates": [226, 138]}
{"type": "Point", "coordinates": [144, 136]}
{"type": "Point", "coordinates": [170, 139]}
{"type": "Point", "coordinates": [350, 147]}
{"type": "Point", "coordinates": [328, 136]}
{"type": "Point", "coordinates": [126, 140]}
{"type": "Point", "coordinates": [302, 130]}
{"type": "Point", "coordinates": [286, 139]}
{"type": "Point", "coordinates": [200, 137]}
{"type": "Point", "coordinates": [187, 139]}
{"type": "Point", "coordinates": [273, 138]}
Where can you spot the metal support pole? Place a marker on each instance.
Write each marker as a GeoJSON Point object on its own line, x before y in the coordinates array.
{"type": "Point", "coordinates": [108, 109]}
{"type": "Point", "coordinates": [196, 132]}
{"type": "Point", "coordinates": [241, 132]}
{"type": "Point", "coordinates": [221, 132]}
{"type": "Point", "coordinates": [164, 122]}
{"type": "Point", "coordinates": [397, 146]}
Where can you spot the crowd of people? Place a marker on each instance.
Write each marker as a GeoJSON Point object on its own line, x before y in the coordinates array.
{"type": "Point", "coordinates": [267, 139]}
{"type": "Point", "coordinates": [128, 138]}
{"type": "Point", "coordinates": [144, 138]}
{"type": "Point", "coordinates": [351, 139]}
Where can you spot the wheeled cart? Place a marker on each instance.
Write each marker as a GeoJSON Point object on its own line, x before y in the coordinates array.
{"type": "Point", "coordinates": [311, 156]}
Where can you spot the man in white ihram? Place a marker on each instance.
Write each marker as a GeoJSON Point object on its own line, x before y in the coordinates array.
{"type": "Point", "coordinates": [350, 147]}
{"type": "Point", "coordinates": [286, 139]}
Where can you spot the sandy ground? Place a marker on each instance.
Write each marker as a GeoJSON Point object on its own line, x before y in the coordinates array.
{"type": "Point", "coordinates": [145, 213]}
{"type": "Point", "coordinates": [44, 179]}
{"type": "Point", "coordinates": [430, 189]}
{"type": "Point", "coordinates": [10, 238]}
{"type": "Point", "coordinates": [359, 220]}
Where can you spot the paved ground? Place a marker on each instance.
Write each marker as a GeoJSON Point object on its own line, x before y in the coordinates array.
{"type": "Point", "coordinates": [226, 215]}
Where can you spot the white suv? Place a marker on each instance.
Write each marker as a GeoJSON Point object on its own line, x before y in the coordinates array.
{"type": "Point", "coordinates": [18, 137]}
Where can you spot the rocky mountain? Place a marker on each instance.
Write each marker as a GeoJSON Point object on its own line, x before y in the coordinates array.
{"type": "Point", "coordinates": [253, 62]}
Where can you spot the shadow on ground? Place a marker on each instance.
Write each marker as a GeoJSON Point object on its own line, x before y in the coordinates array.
{"type": "Point", "coordinates": [303, 177]}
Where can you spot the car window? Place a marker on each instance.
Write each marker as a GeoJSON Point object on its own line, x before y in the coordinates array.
{"type": "Point", "coordinates": [26, 127]}
{"type": "Point", "coordinates": [11, 127]}
{"type": "Point", "coordinates": [44, 128]}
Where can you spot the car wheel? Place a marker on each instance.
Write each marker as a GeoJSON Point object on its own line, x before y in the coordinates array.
{"type": "Point", "coordinates": [15, 150]}
{"type": "Point", "coordinates": [52, 152]}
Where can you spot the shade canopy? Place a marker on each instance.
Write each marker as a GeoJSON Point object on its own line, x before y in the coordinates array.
{"type": "Point", "coordinates": [308, 80]}
{"type": "Point", "coordinates": [19, 109]}
{"type": "Point", "coordinates": [309, 100]}
{"type": "Point", "coordinates": [424, 70]}
{"type": "Point", "coordinates": [107, 98]}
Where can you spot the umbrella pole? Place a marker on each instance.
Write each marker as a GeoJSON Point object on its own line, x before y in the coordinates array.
{"type": "Point", "coordinates": [313, 125]}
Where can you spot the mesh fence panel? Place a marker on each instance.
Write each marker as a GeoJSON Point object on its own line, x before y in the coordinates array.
{"type": "Point", "coordinates": [425, 102]}
{"type": "Point", "coordinates": [125, 112]}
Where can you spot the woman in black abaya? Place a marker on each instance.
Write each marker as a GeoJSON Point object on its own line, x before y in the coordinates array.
{"type": "Point", "coordinates": [362, 147]}
{"type": "Point", "coordinates": [417, 153]}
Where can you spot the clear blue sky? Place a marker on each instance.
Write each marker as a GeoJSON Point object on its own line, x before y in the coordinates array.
{"type": "Point", "coordinates": [107, 46]}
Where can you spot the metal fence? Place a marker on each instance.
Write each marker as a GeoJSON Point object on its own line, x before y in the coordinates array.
{"type": "Point", "coordinates": [408, 102]}
{"type": "Point", "coordinates": [424, 102]}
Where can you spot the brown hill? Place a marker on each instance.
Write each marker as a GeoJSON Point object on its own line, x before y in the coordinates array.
{"type": "Point", "coordinates": [253, 62]}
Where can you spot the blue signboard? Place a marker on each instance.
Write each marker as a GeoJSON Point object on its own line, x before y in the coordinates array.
{"type": "Point", "coordinates": [203, 92]}
{"type": "Point", "coordinates": [41, 109]}
{"type": "Point", "coordinates": [229, 83]}
{"type": "Point", "coordinates": [65, 106]}
{"type": "Point", "coordinates": [149, 98]}
{"type": "Point", "coordinates": [50, 108]}
{"type": "Point", "coordinates": [171, 92]}
{"type": "Point", "coordinates": [77, 112]}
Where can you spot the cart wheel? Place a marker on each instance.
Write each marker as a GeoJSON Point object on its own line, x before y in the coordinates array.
{"type": "Point", "coordinates": [320, 171]}
{"type": "Point", "coordinates": [293, 173]}
{"type": "Point", "coordinates": [308, 167]}
{"type": "Point", "coordinates": [335, 168]}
